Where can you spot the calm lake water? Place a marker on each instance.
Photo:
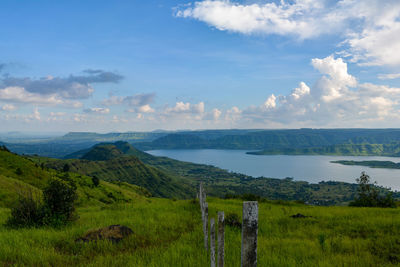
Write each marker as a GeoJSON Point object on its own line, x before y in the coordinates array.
{"type": "Point", "coordinates": [306, 168]}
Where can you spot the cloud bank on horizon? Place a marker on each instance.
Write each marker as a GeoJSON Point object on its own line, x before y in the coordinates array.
{"type": "Point", "coordinates": [367, 34]}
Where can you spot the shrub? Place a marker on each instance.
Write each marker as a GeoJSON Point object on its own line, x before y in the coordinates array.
{"type": "Point", "coordinates": [66, 167]}
{"type": "Point", "coordinates": [26, 212]}
{"type": "Point", "coordinates": [95, 181]}
{"type": "Point", "coordinates": [18, 171]}
{"type": "Point", "coordinates": [232, 220]}
{"type": "Point", "coordinates": [56, 209]}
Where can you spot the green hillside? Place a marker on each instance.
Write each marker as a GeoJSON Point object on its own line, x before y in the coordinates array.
{"type": "Point", "coordinates": [119, 162]}
{"type": "Point", "coordinates": [169, 233]}
{"type": "Point", "coordinates": [19, 175]}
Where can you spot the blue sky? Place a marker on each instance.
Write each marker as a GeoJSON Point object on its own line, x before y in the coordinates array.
{"type": "Point", "coordinates": [144, 65]}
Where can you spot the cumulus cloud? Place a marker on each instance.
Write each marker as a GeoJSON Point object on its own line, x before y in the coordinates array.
{"type": "Point", "coordinates": [8, 107]}
{"type": "Point", "coordinates": [302, 18]}
{"type": "Point", "coordinates": [389, 76]}
{"type": "Point", "coordinates": [369, 29]}
{"type": "Point", "coordinates": [137, 103]}
{"type": "Point", "coordinates": [35, 115]}
{"type": "Point", "coordinates": [335, 99]}
{"type": "Point", "coordinates": [53, 90]}
{"type": "Point", "coordinates": [20, 95]}
{"type": "Point", "coordinates": [72, 87]}
{"type": "Point", "coordinates": [185, 108]}
{"type": "Point", "coordinates": [216, 113]}
{"type": "Point", "coordinates": [97, 110]}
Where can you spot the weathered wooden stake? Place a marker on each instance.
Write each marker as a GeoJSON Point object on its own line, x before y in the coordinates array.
{"type": "Point", "coordinates": [201, 196]}
{"type": "Point", "coordinates": [249, 234]}
{"type": "Point", "coordinates": [212, 242]}
{"type": "Point", "coordinates": [205, 226]}
{"type": "Point", "coordinates": [221, 238]}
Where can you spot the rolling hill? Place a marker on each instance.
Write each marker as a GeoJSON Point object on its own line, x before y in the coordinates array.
{"type": "Point", "coordinates": [21, 175]}
{"type": "Point", "coordinates": [119, 162]}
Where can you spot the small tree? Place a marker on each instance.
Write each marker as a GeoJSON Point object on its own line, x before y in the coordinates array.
{"type": "Point", "coordinates": [59, 197]}
{"type": "Point", "coordinates": [18, 171]}
{"type": "Point", "coordinates": [66, 167]}
{"type": "Point", "coordinates": [368, 194]}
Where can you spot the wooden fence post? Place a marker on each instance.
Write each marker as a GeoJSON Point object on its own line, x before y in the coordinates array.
{"type": "Point", "coordinates": [249, 234]}
{"type": "Point", "coordinates": [221, 238]}
{"type": "Point", "coordinates": [212, 242]}
{"type": "Point", "coordinates": [205, 226]}
{"type": "Point", "coordinates": [201, 196]}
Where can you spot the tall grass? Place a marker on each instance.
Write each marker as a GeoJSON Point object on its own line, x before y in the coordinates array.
{"type": "Point", "coordinates": [169, 233]}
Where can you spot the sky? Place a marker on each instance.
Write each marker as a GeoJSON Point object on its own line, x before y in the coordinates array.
{"type": "Point", "coordinates": [104, 66]}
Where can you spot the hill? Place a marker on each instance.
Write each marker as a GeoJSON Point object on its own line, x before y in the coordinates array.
{"type": "Point", "coordinates": [19, 175]}
{"type": "Point", "coordinates": [119, 162]}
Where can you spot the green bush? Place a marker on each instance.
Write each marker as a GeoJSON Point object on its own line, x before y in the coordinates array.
{"type": "Point", "coordinates": [95, 181]}
{"type": "Point", "coordinates": [56, 209]}
{"type": "Point", "coordinates": [27, 212]}
{"type": "Point", "coordinates": [233, 220]}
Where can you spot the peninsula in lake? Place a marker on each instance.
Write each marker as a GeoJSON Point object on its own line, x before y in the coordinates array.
{"type": "Point", "coordinates": [370, 163]}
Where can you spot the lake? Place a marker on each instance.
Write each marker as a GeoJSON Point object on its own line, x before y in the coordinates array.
{"type": "Point", "coordinates": [312, 169]}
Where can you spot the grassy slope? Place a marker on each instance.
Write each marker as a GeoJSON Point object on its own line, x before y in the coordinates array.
{"type": "Point", "coordinates": [169, 233]}
{"type": "Point", "coordinates": [34, 178]}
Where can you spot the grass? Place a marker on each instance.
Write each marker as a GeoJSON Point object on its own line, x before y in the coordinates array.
{"type": "Point", "coordinates": [169, 233]}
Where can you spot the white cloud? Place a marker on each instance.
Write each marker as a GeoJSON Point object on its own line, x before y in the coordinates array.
{"type": "Point", "coordinates": [302, 18]}
{"type": "Point", "coordinates": [270, 102]}
{"type": "Point", "coordinates": [389, 76]}
{"type": "Point", "coordinates": [20, 95]}
{"type": "Point", "coordinates": [35, 115]}
{"type": "Point", "coordinates": [336, 99]}
{"type": "Point", "coordinates": [97, 110]}
{"type": "Point", "coordinates": [57, 114]}
{"type": "Point", "coordinates": [181, 107]}
{"type": "Point", "coordinates": [145, 109]}
{"type": "Point", "coordinates": [216, 113]}
{"type": "Point", "coordinates": [8, 107]}
{"type": "Point", "coordinates": [79, 117]}
{"type": "Point", "coordinates": [337, 81]}
{"type": "Point", "coordinates": [369, 30]}
{"type": "Point", "coordinates": [139, 103]}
